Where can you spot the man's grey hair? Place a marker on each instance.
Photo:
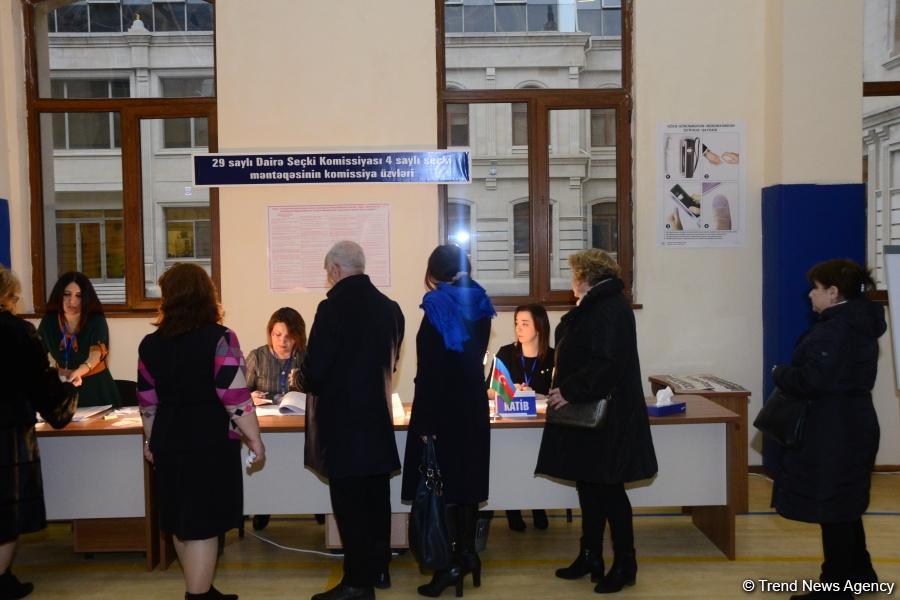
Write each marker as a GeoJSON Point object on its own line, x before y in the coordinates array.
{"type": "Point", "coordinates": [349, 256]}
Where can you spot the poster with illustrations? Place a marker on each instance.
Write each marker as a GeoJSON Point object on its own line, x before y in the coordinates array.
{"type": "Point", "coordinates": [701, 198]}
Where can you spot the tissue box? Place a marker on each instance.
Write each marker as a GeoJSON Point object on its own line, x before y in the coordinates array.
{"type": "Point", "coordinates": [524, 404]}
{"type": "Point", "coordinates": [669, 409]}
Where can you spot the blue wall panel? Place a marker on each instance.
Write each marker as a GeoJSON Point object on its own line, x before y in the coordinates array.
{"type": "Point", "coordinates": [802, 225]}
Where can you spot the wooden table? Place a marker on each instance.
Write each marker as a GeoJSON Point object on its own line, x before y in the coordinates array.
{"type": "Point", "coordinates": [736, 399]}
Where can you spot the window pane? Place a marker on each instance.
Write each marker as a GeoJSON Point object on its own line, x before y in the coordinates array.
{"type": "Point", "coordinates": [187, 87]}
{"type": "Point", "coordinates": [115, 248]}
{"type": "Point", "coordinates": [453, 19]}
{"type": "Point", "coordinates": [72, 18]}
{"type": "Point", "coordinates": [486, 209]}
{"type": "Point", "coordinates": [89, 131]}
{"type": "Point", "coordinates": [511, 17]}
{"type": "Point", "coordinates": [603, 127]}
{"type": "Point", "coordinates": [175, 214]}
{"type": "Point", "coordinates": [66, 251]}
{"type": "Point", "coordinates": [549, 60]}
{"type": "Point", "coordinates": [90, 250]}
{"type": "Point", "coordinates": [612, 22]}
{"type": "Point", "coordinates": [542, 17]}
{"type": "Point", "coordinates": [478, 18]}
{"type": "Point", "coordinates": [132, 10]}
{"type": "Point", "coordinates": [521, 228]}
{"type": "Point", "coordinates": [201, 133]}
{"type": "Point", "coordinates": [106, 18]}
{"type": "Point", "coordinates": [83, 229]}
{"type": "Point", "coordinates": [582, 188]}
{"type": "Point", "coordinates": [87, 88]}
{"type": "Point", "coordinates": [519, 124]}
{"type": "Point", "coordinates": [168, 16]}
{"type": "Point", "coordinates": [457, 124]}
{"type": "Point", "coordinates": [182, 42]}
{"type": "Point", "coordinates": [199, 15]}
{"type": "Point", "coordinates": [177, 133]}
{"type": "Point", "coordinates": [881, 159]}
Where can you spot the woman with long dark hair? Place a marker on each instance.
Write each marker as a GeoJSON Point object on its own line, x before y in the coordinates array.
{"type": "Point", "coordinates": [530, 363]}
{"type": "Point", "coordinates": [451, 405]}
{"type": "Point", "coordinates": [195, 407]}
{"type": "Point", "coordinates": [75, 332]}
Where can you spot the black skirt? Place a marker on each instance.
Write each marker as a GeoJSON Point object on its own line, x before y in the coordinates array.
{"type": "Point", "coordinates": [21, 487]}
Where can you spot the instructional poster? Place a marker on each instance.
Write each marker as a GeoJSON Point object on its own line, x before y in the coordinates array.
{"type": "Point", "coordinates": [701, 198]}
{"type": "Point", "coordinates": [301, 236]}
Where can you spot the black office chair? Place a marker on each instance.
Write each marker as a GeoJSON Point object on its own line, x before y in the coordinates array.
{"type": "Point", "coordinates": [127, 392]}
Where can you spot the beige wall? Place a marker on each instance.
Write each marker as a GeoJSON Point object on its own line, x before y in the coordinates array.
{"type": "Point", "coordinates": [318, 75]}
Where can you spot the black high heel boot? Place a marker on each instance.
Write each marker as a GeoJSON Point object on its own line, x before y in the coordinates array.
{"type": "Point", "coordinates": [441, 580]}
{"type": "Point", "coordinates": [211, 594]}
{"type": "Point", "coordinates": [467, 522]}
{"type": "Point", "coordinates": [622, 573]}
{"type": "Point", "coordinates": [587, 561]}
{"type": "Point", "coordinates": [11, 587]}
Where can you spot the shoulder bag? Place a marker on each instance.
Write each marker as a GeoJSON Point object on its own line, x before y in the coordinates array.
{"type": "Point", "coordinates": [429, 539]}
{"type": "Point", "coordinates": [783, 417]}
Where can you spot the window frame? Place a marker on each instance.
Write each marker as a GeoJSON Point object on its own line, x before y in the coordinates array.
{"type": "Point", "coordinates": [541, 102]}
{"type": "Point", "coordinates": [131, 111]}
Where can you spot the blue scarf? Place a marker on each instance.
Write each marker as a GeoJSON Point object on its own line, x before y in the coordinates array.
{"type": "Point", "coordinates": [448, 306]}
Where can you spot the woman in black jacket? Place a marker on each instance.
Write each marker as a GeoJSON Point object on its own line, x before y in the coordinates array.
{"type": "Point", "coordinates": [530, 363]}
{"type": "Point", "coordinates": [30, 385]}
{"type": "Point", "coordinates": [451, 405]}
{"type": "Point", "coordinates": [826, 480]}
{"type": "Point", "coordinates": [596, 355]}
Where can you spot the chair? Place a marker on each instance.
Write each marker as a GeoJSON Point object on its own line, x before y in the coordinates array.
{"type": "Point", "coordinates": [127, 392]}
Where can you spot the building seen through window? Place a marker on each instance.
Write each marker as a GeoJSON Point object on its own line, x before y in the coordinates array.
{"type": "Point", "coordinates": [510, 70]}
{"type": "Point", "coordinates": [122, 52]}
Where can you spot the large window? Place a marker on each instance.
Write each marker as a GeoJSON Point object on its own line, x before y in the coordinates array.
{"type": "Point", "coordinates": [113, 129]}
{"type": "Point", "coordinates": [881, 131]}
{"type": "Point", "coordinates": [548, 128]}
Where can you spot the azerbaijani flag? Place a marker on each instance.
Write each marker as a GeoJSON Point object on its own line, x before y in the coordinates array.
{"type": "Point", "coordinates": [501, 382]}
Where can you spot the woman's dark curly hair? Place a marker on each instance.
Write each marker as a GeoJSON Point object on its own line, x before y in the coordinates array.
{"type": "Point", "coordinates": [188, 300]}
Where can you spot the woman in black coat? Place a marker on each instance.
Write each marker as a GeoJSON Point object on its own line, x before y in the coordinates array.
{"type": "Point", "coordinates": [596, 355]}
{"type": "Point", "coordinates": [451, 404]}
{"type": "Point", "coordinates": [826, 480]}
{"type": "Point", "coordinates": [29, 385]}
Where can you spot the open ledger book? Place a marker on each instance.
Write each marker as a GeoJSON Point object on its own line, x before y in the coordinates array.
{"type": "Point", "coordinates": [292, 403]}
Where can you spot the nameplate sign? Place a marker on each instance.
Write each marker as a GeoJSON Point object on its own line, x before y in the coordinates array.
{"type": "Point", "coordinates": [407, 166]}
{"type": "Point", "coordinates": [523, 404]}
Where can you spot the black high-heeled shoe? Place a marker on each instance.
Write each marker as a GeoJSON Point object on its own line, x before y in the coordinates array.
{"type": "Point", "coordinates": [443, 579]}
{"type": "Point", "coordinates": [622, 573]}
{"type": "Point", "coordinates": [586, 562]}
{"type": "Point", "coordinates": [11, 587]}
{"type": "Point", "coordinates": [470, 562]}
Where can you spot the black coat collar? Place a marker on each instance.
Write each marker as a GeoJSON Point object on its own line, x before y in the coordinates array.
{"type": "Point", "coordinates": [349, 285]}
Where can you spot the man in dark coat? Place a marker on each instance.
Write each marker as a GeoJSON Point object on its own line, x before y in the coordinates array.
{"type": "Point", "coordinates": [353, 349]}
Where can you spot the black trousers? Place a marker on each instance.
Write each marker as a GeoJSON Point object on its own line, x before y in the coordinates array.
{"type": "Point", "coordinates": [846, 556]}
{"type": "Point", "coordinates": [603, 503]}
{"type": "Point", "coordinates": [362, 509]}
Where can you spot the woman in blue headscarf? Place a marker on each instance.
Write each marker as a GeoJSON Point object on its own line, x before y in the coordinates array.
{"type": "Point", "coordinates": [451, 404]}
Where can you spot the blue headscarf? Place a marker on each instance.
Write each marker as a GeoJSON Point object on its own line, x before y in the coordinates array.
{"type": "Point", "coordinates": [448, 306]}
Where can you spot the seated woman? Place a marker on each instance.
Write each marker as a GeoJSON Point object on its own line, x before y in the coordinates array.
{"type": "Point", "coordinates": [75, 332]}
{"type": "Point", "coordinates": [271, 369]}
{"type": "Point", "coordinates": [530, 362]}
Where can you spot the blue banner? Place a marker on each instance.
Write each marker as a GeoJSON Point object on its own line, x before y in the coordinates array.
{"type": "Point", "coordinates": [434, 166]}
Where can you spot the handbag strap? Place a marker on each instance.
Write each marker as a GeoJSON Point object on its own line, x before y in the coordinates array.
{"type": "Point", "coordinates": [429, 467]}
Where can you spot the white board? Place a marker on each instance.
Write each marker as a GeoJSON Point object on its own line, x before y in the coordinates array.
{"type": "Point", "coordinates": [892, 276]}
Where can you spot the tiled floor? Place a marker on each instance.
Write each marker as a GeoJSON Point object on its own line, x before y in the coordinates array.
{"type": "Point", "coordinates": [676, 560]}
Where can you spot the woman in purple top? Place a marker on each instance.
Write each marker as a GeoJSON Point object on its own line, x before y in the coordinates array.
{"type": "Point", "coordinates": [195, 405]}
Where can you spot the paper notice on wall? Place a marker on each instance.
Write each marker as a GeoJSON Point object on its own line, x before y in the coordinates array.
{"type": "Point", "coordinates": [701, 197]}
{"type": "Point", "coordinates": [300, 236]}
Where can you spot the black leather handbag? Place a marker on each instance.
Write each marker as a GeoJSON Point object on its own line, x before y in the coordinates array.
{"type": "Point", "coordinates": [783, 417]}
{"type": "Point", "coordinates": [586, 415]}
{"type": "Point", "coordinates": [429, 539]}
